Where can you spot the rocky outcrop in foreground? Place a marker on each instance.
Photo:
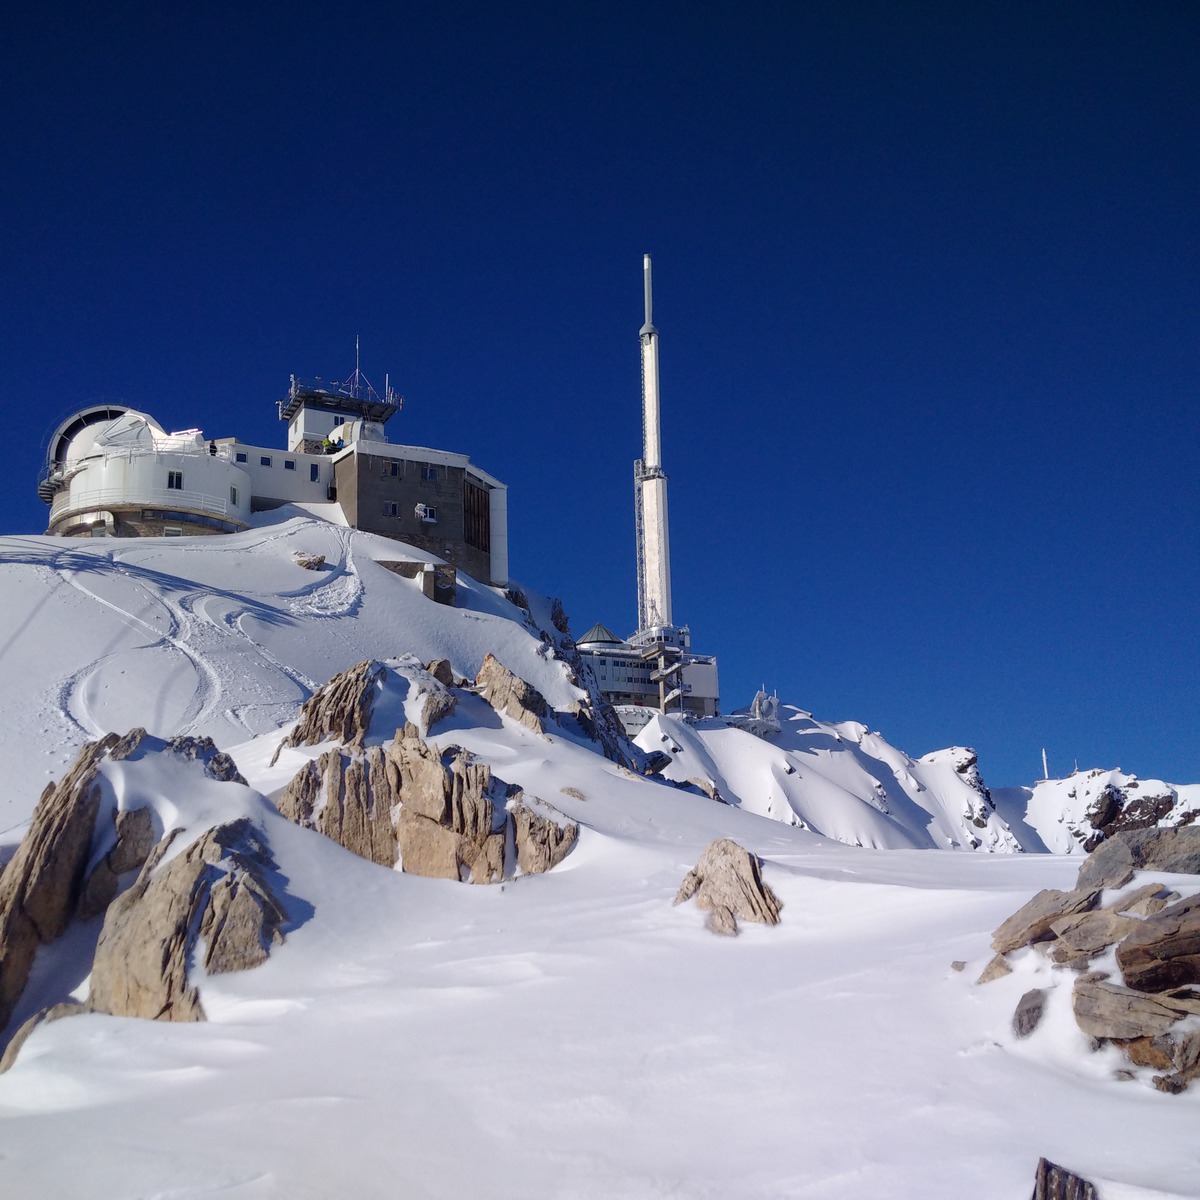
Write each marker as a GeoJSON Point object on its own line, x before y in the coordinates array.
{"type": "Point", "coordinates": [727, 882]}
{"type": "Point", "coordinates": [1151, 1012]}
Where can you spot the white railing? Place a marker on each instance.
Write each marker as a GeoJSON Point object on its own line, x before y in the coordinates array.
{"type": "Point", "coordinates": [72, 500]}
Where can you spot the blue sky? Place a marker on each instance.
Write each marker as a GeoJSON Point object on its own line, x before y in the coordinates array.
{"type": "Point", "coordinates": [925, 276]}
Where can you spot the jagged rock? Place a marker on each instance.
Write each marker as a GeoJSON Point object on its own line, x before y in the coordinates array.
{"type": "Point", "coordinates": [1032, 921]}
{"type": "Point", "coordinates": [1107, 1010]}
{"type": "Point", "coordinates": [996, 969]}
{"type": "Point", "coordinates": [216, 890]}
{"type": "Point", "coordinates": [1163, 951]}
{"type": "Point", "coordinates": [437, 704]}
{"type": "Point", "coordinates": [728, 883]}
{"type": "Point", "coordinates": [541, 841]}
{"type": "Point", "coordinates": [217, 764]}
{"type": "Point", "coordinates": [135, 840]}
{"type": "Point", "coordinates": [1113, 862]}
{"type": "Point", "coordinates": [1177, 1050]}
{"type": "Point", "coordinates": [55, 1012]}
{"type": "Point", "coordinates": [508, 693]}
{"type": "Point", "coordinates": [310, 562]}
{"type": "Point", "coordinates": [442, 671]}
{"type": "Point", "coordinates": [341, 709]}
{"type": "Point", "coordinates": [347, 798]}
{"type": "Point", "coordinates": [1090, 933]}
{"type": "Point", "coordinates": [1144, 901]}
{"type": "Point", "coordinates": [558, 617]}
{"type": "Point", "coordinates": [1029, 1012]}
{"type": "Point", "coordinates": [1052, 1182]}
{"type": "Point", "coordinates": [42, 883]}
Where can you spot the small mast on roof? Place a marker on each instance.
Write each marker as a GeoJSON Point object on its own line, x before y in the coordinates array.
{"type": "Point", "coordinates": [650, 487]}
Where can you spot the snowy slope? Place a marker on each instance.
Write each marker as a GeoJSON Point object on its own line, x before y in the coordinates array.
{"type": "Point", "coordinates": [572, 1034]}
{"type": "Point", "coordinates": [840, 780]}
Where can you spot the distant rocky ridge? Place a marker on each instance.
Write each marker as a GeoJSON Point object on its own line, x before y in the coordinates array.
{"type": "Point", "coordinates": [1152, 1013]}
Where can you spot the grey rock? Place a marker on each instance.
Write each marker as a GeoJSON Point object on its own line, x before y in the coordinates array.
{"type": "Point", "coordinates": [310, 562]}
{"type": "Point", "coordinates": [1029, 1012]}
{"type": "Point", "coordinates": [1032, 921]}
{"type": "Point", "coordinates": [1107, 1010]}
{"type": "Point", "coordinates": [1163, 951]}
{"type": "Point", "coordinates": [508, 693]}
{"type": "Point", "coordinates": [728, 883]}
{"type": "Point", "coordinates": [1052, 1182]}
{"type": "Point", "coordinates": [1144, 901]}
{"type": "Point", "coordinates": [1113, 862]}
{"type": "Point", "coordinates": [135, 839]}
{"type": "Point", "coordinates": [340, 710]}
{"type": "Point", "coordinates": [542, 839]}
{"type": "Point", "coordinates": [1090, 933]}
{"type": "Point", "coordinates": [997, 968]}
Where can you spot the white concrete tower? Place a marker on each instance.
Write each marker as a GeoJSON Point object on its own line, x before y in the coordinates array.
{"type": "Point", "coordinates": [650, 489]}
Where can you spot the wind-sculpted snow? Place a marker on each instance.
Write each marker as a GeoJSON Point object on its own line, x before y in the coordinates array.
{"type": "Point", "coordinates": [221, 636]}
{"type": "Point", "coordinates": [839, 780]}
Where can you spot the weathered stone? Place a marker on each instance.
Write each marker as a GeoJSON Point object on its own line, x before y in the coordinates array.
{"type": "Point", "coordinates": [1112, 864]}
{"type": "Point", "coordinates": [135, 840]}
{"type": "Point", "coordinates": [958, 964]}
{"type": "Point", "coordinates": [1144, 901]}
{"type": "Point", "coordinates": [43, 881]}
{"type": "Point", "coordinates": [508, 693]}
{"type": "Point", "coordinates": [729, 878]}
{"type": "Point", "coordinates": [1029, 1012]}
{"type": "Point", "coordinates": [442, 671]}
{"type": "Point", "coordinates": [542, 842]}
{"type": "Point", "coordinates": [1089, 933]}
{"type": "Point", "coordinates": [217, 764]}
{"type": "Point", "coordinates": [1177, 1050]}
{"type": "Point", "coordinates": [436, 705]}
{"type": "Point", "coordinates": [310, 562]}
{"type": "Point", "coordinates": [1163, 951]}
{"type": "Point", "coordinates": [1107, 1010]}
{"type": "Point", "coordinates": [218, 890]}
{"type": "Point", "coordinates": [1052, 1182]}
{"type": "Point", "coordinates": [996, 969]}
{"type": "Point", "coordinates": [341, 709]}
{"type": "Point", "coordinates": [55, 1012]}
{"type": "Point", "coordinates": [1032, 921]}
{"type": "Point", "coordinates": [427, 847]}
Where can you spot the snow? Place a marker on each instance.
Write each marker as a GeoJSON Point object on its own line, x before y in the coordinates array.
{"type": "Point", "coordinates": [570, 1034]}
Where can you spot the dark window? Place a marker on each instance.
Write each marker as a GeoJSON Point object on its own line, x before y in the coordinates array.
{"type": "Point", "coordinates": [240, 456]}
{"type": "Point", "coordinates": [233, 495]}
{"type": "Point", "coordinates": [477, 517]}
{"type": "Point", "coordinates": [429, 474]}
{"type": "Point", "coordinates": [265, 460]}
{"type": "Point", "coordinates": [314, 472]}
{"type": "Point", "coordinates": [175, 480]}
{"type": "Point", "coordinates": [391, 470]}
{"type": "Point", "coordinates": [289, 464]}
{"type": "Point", "coordinates": [390, 508]}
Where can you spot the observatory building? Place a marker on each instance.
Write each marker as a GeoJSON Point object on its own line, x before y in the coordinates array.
{"type": "Point", "coordinates": [654, 669]}
{"type": "Point", "coordinates": [114, 472]}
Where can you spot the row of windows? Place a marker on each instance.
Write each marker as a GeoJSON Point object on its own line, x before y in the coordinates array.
{"type": "Point", "coordinates": [289, 464]}
{"type": "Point", "coordinates": [394, 469]}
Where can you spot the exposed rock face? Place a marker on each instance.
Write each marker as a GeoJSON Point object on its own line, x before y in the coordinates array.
{"type": "Point", "coordinates": [42, 883]}
{"type": "Point", "coordinates": [508, 693]}
{"type": "Point", "coordinates": [1106, 1010]}
{"type": "Point", "coordinates": [135, 840]}
{"type": "Point", "coordinates": [1053, 1182]}
{"type": "Point", "coordinates": [217, 890]}
{"type": "Point", "coordinates": [542, 842]}
{"type": "Point", "coordinates": [997, 968]}
{"type": "Point", "coordinates": [1029, 1012]}
{"type": "Point", "coordinates": [1163, 951]}
{"type": "Point", "coordinates": [217, 764]}
{"type": "Point", "coordinates": [348, 799]}
{"type": "Point", "coordinates": [341, 709]}
{"type": "Point", "coordinates": [1123, 809]}
{"type": "Point", "coordinates": [728, 883]}
{"type": "Point", "coordinates": [1112, 864]}
{"type": "Point", "coordinates": [1034, 919]}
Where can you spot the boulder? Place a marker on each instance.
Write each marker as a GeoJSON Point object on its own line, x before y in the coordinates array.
{"type": "Point", "coordinates": [1107, 1010]}
{"type": "Point", "coordinates": [1029, 1012]}
{"type": "Point", "coordinates": [727, 882]}
{"type": "Point", "coordinates": [1032, 921]}
{"type": "Point", "coordinates": [340, 710]}
{"type": "Point", "coordinates": [42, 883]}
{"type": "Point", "coordinates": [310, 562]}
{"type": "Point", "coordinates": [1090, 933]}
{"type": "Point", "coordinates": [442, 671]}
{"type": "Point", "coordinates": [1144, 901]}
{"type": "Point", "coordinates": [1113, 862]}
{"type": "Point", "coordinates": [1163, 951]}
{"type": "Point", "coordinates": [218, 891]}
{"type": "Point", "coordinates": [542, 841]}
{"type": "Point", "coordinates": [509, 694]}
{"type": "Point", "coordinates": [997, 968]}
{"type": "Point", "coordinates": [1052, 1182]}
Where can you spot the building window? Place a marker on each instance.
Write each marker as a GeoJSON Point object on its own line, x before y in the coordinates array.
{"type": "Point", "coordinates": [289, 464]}
{"type": "Point", "coordinates": [314, 472]}
{"type": "Point", "coordinates": [391, 470]}
{"type": "Point", "coordinates": [390, 508]}
{"type": "Point", "coordinates": [477, 517]}
{"type": "Point", "coordinates": [429, 474]}
{"type": "Point", "coordinates": [233, 496]}
{"type": "Point", "coordinates": [427, 513]}
{"type": "Point", "coordinates": [172, 531]}
{"type": "Point", "coordinates": [240, 456]}
{"type": "Point", "coordinates": [175, 480]}
{"type": "Point", "coordinates": [265, 460]}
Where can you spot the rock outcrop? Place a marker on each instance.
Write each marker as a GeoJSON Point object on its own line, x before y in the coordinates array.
{"type": "Point", "coordinates": [1052, 1182]}
{"type": "Point", "coordinates": [340, 710]}
{"type": "Point", "coordinates": [511, 695]}
{"type": "Point", "coordinates": [1153, 1013]}
{"type": "Point", "coordinates": [727, 882]}
{"type": "Point", "coordinates": [543, 839]}
{"type": "Point", "coordinates": [42, 883]}
{"type": "Point", "coordinates": [218, 891]}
